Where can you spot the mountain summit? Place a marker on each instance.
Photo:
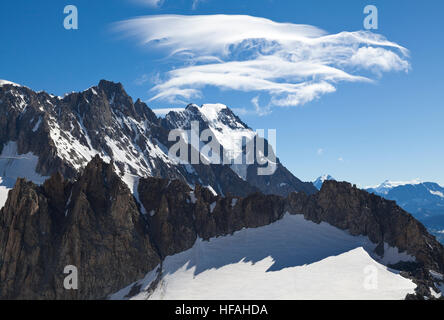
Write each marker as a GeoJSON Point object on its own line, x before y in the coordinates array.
{"type": "Point", "coordinates": [320, 181]}
{"type": "Point", "coordinates": [49, 134]}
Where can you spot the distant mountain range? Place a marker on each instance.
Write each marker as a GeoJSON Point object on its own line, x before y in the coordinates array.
{"type": "Point", "coordinates": [424, 200]}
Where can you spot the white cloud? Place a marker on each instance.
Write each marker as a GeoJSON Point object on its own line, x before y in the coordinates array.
{"type": "Point", "coordinates": [320, 152]}
{"type": "Point", "coordinates": [261, 111]}
{"type": "Point", "coordinates": [141, 80]}
{"type": "Point", "coordinates": [289, 64]}
{"type": "Point", "coordinates": [379, 59]}
{"type": "Point", "coordinates": [340, 159]}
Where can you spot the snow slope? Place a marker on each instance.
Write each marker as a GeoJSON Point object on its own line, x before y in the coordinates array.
{"type": "Point", "coordinates": [13, 166]}
{"type": "Point", "coordinates": [290, 259]}
{"type": "Point", "coordinates": [5, 186]}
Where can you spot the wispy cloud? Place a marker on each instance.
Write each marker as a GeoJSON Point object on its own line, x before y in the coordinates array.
{"type": "Point", "coordinates": [262, 111]}
{"type": "Point", "coordinates": [196, 3]}
{"type": "Point", "coordinates": [142, 80]}
{"type": "Point", "coordinates": [150, 3]}
{"type": "Point", "coordinates": [320, 152]}
{"type": "Point", "coordinates": [288, 64]}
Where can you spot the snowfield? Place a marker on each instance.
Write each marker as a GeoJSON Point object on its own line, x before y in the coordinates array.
{"type": "Point", "coordinates": [290, 259]}
{"type": "Point", "coordinates": [13, 166]}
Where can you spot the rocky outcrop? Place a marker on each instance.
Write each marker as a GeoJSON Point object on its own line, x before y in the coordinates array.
{"type": "Point", "coordinates": [382, 221]}
{"type": "Point", "coordinates": [178, 214]}
{"type": "Point", "coordinates": [97, 225]}
{"type": "Point", "coordinates": [93, 224]}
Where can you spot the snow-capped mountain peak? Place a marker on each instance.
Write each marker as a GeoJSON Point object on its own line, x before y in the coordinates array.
{"type": "Point", "coordinates": [387, 185]}
{"type": "Point", "coordinates": [225, 126]}
{"type": "Point", "coordinates": [320, 181]}
{"type": "Point", "coordinates": [65, 133]}
{"type": "Point", "coordinates": [6, 82]}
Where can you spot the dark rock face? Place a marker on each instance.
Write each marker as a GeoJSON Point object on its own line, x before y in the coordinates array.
{"type": "Point", "coordinates": [338, 203]}
{"type": "Point", "coordinates": [93, 224]}
{"type": "Point", "coordinates": [423, 200]}
{"type": "Point", "coordinates": [96, 225]}
{"type": "Point", "coordinates": [225, 180]}
{"type": "Point", "coordinates": [179, 215]}
{"type": "Point", "coordinates": [282, 182]}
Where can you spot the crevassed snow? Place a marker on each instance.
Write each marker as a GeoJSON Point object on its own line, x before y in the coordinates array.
{"type": "Point", "coordinates": [290, 259]}
{"type": "Point", "coordinates": [13, 166]}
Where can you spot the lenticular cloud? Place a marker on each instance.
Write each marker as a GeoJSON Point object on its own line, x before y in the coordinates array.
{"type": "Point", "coordinates": [289, 63]}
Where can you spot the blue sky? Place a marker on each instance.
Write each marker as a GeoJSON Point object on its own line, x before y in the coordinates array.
{"type": "Point", "coordinates": [363, 132]}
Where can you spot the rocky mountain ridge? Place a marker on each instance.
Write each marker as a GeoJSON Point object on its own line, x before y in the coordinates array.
{"type": "Point", "coordinates": [96, 224]}
{"type": "Point", "coordinates": [65, 133]}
